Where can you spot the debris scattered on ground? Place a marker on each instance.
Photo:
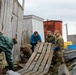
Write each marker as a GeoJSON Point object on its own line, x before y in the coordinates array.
{"type": "Point", "coordinates": [69, 56]}
{"type": "Point", "coordinates": [10, 72]}
{"type": "Point", "coordinates": [21, 65]}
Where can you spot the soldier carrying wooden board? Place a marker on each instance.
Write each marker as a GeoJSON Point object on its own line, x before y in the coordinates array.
{"type": "Point", "coordinates": [59, 48]}
{"type": "Point", "coordinates": [50, 38]}
{"type": "Point", "coordinates": [25, 52]}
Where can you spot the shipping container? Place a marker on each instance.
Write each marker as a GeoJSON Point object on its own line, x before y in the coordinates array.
{"type": "Point", "coordinates": [32, 23]}
{"type": "Point", "coordinates": [52, 25]}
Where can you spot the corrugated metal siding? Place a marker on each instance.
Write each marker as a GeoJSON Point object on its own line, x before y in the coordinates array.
{"type": "Point", "coordinates": [58, 26]}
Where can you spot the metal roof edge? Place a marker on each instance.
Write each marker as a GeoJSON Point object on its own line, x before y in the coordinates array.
{"type": "Point", "coordinates": [33, 17]}
{"type": "Point", "coordinates": [53, 21]}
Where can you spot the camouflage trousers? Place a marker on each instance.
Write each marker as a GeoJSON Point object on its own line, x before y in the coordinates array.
{"type": "Point", "coordinates": [58, 57]}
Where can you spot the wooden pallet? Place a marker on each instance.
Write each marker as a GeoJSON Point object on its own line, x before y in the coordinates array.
{"type": "Point", "coordinates": [40, 61]}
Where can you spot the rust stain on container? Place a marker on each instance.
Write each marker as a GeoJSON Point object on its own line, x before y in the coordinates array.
{"type": "Point", "coordinates": [52, 25]}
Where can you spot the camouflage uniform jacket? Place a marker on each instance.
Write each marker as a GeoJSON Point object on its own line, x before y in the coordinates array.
{"type": "Point", "coordinates": [50, 39]}
{"type": "Point", "coordinates": [59, 43]}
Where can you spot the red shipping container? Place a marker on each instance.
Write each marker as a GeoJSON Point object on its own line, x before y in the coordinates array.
{"type": "Point", "coordinates": [52, 25]}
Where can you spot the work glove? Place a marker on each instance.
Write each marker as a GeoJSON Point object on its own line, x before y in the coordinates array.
{"type": "Point", "coordinates": [55, 48]}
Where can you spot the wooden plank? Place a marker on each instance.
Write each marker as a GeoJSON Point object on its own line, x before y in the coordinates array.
{"type": "Point", "coordinates": [37, 57]}
{"type": "Point", "coordinates": [37, 64]}
{"type": "Point", "coordinates": [40, 49]}
{"type": "Point", "coordinates": [14, 25]}
{"type": "Point", "coordinates": [46, 69]}
{"type": "Point", "coordinates": [70, 51]}
{"type": "Point", "coordinates": [63, 70]}
{"type": "Point", "coordinates": [37, 46]}
{"type": "Point", "coordinates": [15, 7]}
{"type": "Point", "coordinates": [30, 60]}
{"type": "Point", "coordinates": [39, 60]}
{"type": "Point", "coordinates": [28, 63]}
{"type": "Point", "coordinates": [2, 11]}
{"type": "Point", "coordinates": [4, 14]}
{"type": "Point", "coordinates": [21, 65]}
{"type": "Point", "coordinates": [33, 64]}
{"type": "Point", "coordinates": [8, 26]}
{"type": "Point", "coordinates": [41, 68]}
{"type": "Point", "coordinates": [36, 67]}
{"type": "Point", "coordinates": [29, 69]}
{"type": "Point", "coordinates": [45, 48]}
{"type": "Point", "coordinates": [48, 48]}
{"type": "Point", "coordinates": [43, 64]}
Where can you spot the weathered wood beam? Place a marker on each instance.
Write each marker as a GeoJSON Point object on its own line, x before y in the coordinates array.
{"type": "Point", "coordinates": [70, 51]}
{"type": "Point", "coordinates": [63, 70]}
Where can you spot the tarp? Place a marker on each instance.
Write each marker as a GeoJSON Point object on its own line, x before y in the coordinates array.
{"type": "Point", "coordinates": [6, 45]}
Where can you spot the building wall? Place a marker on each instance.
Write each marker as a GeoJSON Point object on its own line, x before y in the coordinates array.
{"type": "Point", "coordinates": [64, 32]}
{"type": "Point", "coordinates": [27, 30]}
{"type": "Point", "coordinates": [11, 22]}
{"type": "Point", "coordinates": [38, 26]}
{"type": "Point", "coordinates": [69, 32]}
{"type": "Point", "coordinates": [52, 25]}
{"type": "Point", "coordinates": [31, 23]}
{"type": "Point", "coordinates": [72, 38]}
{"type": "Point", "coordinates": [0, 15]}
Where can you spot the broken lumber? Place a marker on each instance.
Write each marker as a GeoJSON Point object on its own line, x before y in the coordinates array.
{"type": "Point", "coordinates": [63, 70]}
{"type": "Point", "coordinates": [70, 51]}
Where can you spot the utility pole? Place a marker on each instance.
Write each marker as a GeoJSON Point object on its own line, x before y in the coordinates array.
{"type": "Point", "coordinates": [67, 31]}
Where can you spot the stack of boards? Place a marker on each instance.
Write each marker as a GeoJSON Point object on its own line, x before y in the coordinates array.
{"type": "Point", "coordinates": [40, 61]}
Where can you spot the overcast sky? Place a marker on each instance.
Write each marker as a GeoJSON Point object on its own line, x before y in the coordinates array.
{"type": "Point", "coordinates": [64, 10]}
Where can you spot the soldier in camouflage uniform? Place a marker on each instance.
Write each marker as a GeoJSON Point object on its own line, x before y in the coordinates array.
{"type": "Point", "coordinates": [50, 37]}
{"type": "Point", "coordinates": [25, 52]}
{"type": "Point", "coordinates": [59, 48]}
